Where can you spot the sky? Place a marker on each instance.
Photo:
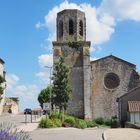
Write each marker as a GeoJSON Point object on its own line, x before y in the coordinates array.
{"type": "Point", "coordinates": [27, 28]}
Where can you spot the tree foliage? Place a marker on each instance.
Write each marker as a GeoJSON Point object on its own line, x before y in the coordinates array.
{"type": "Point", "coordinates": [61, 89]}
{"type": "Point", "coordinates": [44, 96]}
{"type": "Point", "coordinates": [1, 88]}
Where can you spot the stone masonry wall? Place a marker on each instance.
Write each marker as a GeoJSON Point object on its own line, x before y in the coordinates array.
{"type": "Point", "coordinates": [11, 105]}
{"type": "Point", "coordinates": [75, 60]}
{"type": "Point", "coordinates": [103, 99]}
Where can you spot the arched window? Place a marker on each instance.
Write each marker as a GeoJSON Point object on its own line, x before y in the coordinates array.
{"type": "Point", "coordinates": [61, 28]}
{"type": "Point", "coordinates": [71, 27]}
{"type": "Point", "coordinates": [81, 27]}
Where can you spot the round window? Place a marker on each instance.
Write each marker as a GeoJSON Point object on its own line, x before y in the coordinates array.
{"type": "Point", "coordinates": [111, 81]}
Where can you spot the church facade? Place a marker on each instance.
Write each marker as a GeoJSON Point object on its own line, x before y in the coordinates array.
{"type": "Point", "coordinates": [95, 85]}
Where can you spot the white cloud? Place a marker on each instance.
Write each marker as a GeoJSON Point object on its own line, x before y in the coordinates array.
{"type": "Point", "coordinates": [101, 21]}
{"type": "Point", "coordinates": [44, 76]}
{"type": "Point", "coordinates": [26, 92]}
{"type": "Point", "coordinates": [121, 9]}
{"type": "Point", "coordinates": [98, 31]}
{"type": "Point", "coordinates": [39, 25]}
{"type": "Point", "coordinates": [45, 60]}
{"type": "Point", "coordinates": [21, 91]}
{"type": "Point", "coordinates": [11, 80]}
{"type": "Point", "coordinates": [93, 58]}
{"type": "Point", "coordinates": [107, 19]}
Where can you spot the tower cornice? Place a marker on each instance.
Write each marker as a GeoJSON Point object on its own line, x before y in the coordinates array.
{"type": "Point", "coordinates": [84, 43]}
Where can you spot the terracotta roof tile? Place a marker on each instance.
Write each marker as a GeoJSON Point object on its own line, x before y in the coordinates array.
{"type": "Point", "coordinates": [134, 106]}
{"type": "Point", "coordinates": [36, 109]}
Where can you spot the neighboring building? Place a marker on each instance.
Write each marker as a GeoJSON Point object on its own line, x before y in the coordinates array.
{"type": "Point", "coordinates": [11, 105]}
{"type": "Point", "coordinates": [134, 111]}
{"type": "Point", "coordinates": [7, 105]}
{"type": "Point", "coordinates": [2, 73]}
{"type": "Point", "coordinates": [129, 107]}
{"type": "Point", "coordinates": [95, 85]}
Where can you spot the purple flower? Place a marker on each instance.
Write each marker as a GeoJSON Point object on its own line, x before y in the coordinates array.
{"type": "Point", "coordinates": [10, 132]}
{"type": "Point", "coordinates": [3, 134]}
{"type": "Point", "coordinates": [12, 138]}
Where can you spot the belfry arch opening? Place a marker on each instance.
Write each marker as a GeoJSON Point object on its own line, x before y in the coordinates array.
{"type": "Point", "coordinates": [81, 27]}
{"type": "Point", "coordinates": [61, 28]}
{"type": "Point", "coordinates": [71, 27]}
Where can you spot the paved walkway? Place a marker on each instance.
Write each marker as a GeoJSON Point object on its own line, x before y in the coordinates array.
{"type": "Point", "coordinates": [122, 134]}
{"type": "Point", "coordinates": [28, 127]}
{"type": "Point", "coordinates": [67, 134]}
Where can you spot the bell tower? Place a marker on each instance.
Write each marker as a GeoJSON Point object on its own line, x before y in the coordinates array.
{"type": "Point", "coordinates": [72, 45]}
{"type": "Point", "coordinates": [71, 25]}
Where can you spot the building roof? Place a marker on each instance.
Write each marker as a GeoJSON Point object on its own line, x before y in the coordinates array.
{"type": "Point", "coordinates": [134, 106]}
{"type": "Point", "coordinates": [13, 98]}
{"type": "Point", "coordinates": [126, 94]}
{"type": "Point", "coordinates": [37, 109]}
{"type": "Point", "coordinates": [116, 58]}
{"type": "Point", "coordinates": [1, 61]}
{"type": "Point", "coordinates": [68, 10]}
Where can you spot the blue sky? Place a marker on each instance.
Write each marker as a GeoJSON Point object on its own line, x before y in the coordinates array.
{"type": "Point", "coordinates": [27, 28]}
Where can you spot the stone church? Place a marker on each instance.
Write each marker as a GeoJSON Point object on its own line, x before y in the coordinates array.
{"type": "Point", "coordinates": [96, 85]}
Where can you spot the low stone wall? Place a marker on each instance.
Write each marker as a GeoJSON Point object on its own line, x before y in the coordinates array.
{"type": "Point", "coordinates": [1, 105]}
{"type": "Point", "coordinates": [131, 125]}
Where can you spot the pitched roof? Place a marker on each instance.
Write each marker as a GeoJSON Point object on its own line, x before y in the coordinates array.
{"type": "Point", "coordinates": [1, 61]}
{"type": "Point", "coordinates": [126, 94]}
{"type": "Point", "coordinates": [116, 58]}
{"type": "Point", "coordinates": [37, 109]}
{"type": "Point", "coordinates": [134, 106]}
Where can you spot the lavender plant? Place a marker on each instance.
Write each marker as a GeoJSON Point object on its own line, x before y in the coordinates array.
{"type": "Point", "coordinates": [9, 131]}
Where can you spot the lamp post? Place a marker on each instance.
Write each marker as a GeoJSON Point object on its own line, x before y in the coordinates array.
{"type": "Point", "coordinates": [50, 67]}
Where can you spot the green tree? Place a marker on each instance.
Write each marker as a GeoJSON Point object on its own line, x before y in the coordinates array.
{"type": "Point", "coordinates": [44, 96]}
{"type": "Point", "coordinates": [1, 88]}
{"type": "Point", "coordinates": [61, 88]}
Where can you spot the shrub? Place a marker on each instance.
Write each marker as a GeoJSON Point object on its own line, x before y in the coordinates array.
{"type": "Point", "coordinates": [99, 120]}
{"type": "Point", "coordinates": [55, 115]}
{"type": "Point", "coordinates": [79, 123]}
{"type": "Point", "coordinates": [69, 119]}
{"type": "Point", "coordinates": [57, 122]}
{"type": "Point", "coordinates": [91, 124]}
{"type": "Point", "coordinates": [46, 123]}
{"type": "Point", "coordinates": [114, 122]}
{"type": "Point", "coordinates": [42, 123]}
{"type": "Point", "coordinates": [107, 122]}
{"type": "Point", "coordinates": [49, 123]}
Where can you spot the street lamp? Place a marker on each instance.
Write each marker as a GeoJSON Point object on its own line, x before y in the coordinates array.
{"type": "Point", "coordinates": [49, 67]}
